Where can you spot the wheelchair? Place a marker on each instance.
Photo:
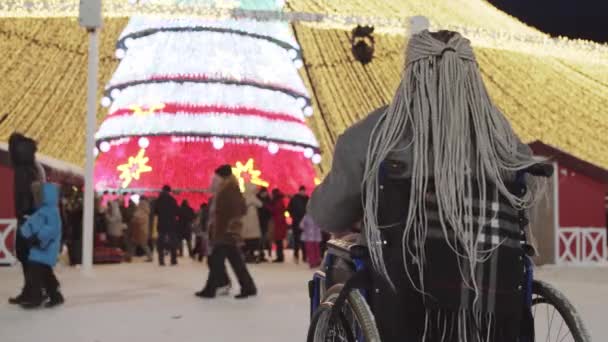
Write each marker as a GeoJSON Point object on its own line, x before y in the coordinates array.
{"type": "Point", "coordinates": [340, 307]}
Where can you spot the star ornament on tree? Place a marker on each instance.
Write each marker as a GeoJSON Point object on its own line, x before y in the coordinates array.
{"type": "Point", "coordinates": [248, 173]}
{"type": "Point", "coordinates": [146, 110]}
{"type": "Point", "coordinates": [134, 168]}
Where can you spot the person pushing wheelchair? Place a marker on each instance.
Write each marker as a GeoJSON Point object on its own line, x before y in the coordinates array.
{"type": "Point", "coordinates": [438, 199]}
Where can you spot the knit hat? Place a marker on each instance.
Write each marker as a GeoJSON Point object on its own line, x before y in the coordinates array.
{"type": "Point", "coordinates": [224, 171]}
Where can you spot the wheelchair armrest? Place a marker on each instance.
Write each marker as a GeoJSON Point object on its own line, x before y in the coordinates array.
{"type": "Point", "coordinates": [347, 248]}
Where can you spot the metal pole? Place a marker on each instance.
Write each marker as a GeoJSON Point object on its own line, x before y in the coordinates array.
{"type": "Point", "coordinates": [87, 224]}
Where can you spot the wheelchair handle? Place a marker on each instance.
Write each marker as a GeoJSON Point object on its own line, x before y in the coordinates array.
{"type": "Point", "coordinates": [539, 170]}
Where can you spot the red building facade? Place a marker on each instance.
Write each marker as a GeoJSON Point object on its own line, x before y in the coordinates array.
{"type": "Point", "coordinates": [582, 187]}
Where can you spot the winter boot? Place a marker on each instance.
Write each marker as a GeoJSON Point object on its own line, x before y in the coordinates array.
{"type": "Point", "coordinates": [55, 300]}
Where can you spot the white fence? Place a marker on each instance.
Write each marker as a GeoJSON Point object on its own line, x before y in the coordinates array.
{"type": "Point", "coordinates": [580, 245]}
{"type": "Point", "coordinates": [10, 225]}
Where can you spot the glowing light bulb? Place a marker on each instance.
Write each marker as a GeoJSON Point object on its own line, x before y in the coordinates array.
{"type": "Point", "coordinates": [308, 111]}
{"type": "Point", "coordinates": [316, 159]}
{"type": "Point", "coordinates": [218, 143]}
{"type": "Point", "coordinates": [129, 42]}
{"type": "Point", "coordinates": [298, 63]}
{"type": "Point", "coordinates": [104, 146]}
{"type": "Point", "coordinates": [143, 142]}
{"type": "Point", "coordinates": [308, 152]}
{"type": "Point", "coordinates": [106, 102]}
{"type": "Point", "coordinates": [115, 93]}
{"type": "Point", "coordinates": [293, 54]}
{"type": "Point", "coordinates": [301, 102]}
{"type": "Point", "coordinates": [120, 53]}
{"type": "Point", "coordinates": [95, 151]}
{"type": "Point", "coordinates": [273, 148]}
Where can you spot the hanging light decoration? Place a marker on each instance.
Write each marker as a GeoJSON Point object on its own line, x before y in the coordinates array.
{"type": "Point", "coordinates": [301, 102]}
{"type": "Point", "coordinates": [106, 102]}
{"type": "Point", "coordinates": [293, 54]}
{"type": "Point", "coordinates": [120, 53]}
{"type": "Point", "coordinates": [104, 146]}
{"type": "Point", "coordinates": [273, 148]}
{"type": "Point", "coordinates": [128, 42]}
{"type": "Point", "coordinates": [316, 159]}
{"type": "Point", "coordinates": [308, 152]}
{"type": "Point", "coordinates": [115, 93]}
{"type": "Point", "coordinates": [143, 142]}
{"type": "Point", "coordinates": [218, 143]}
{"type": "Point", "coordinates": [308, 111]}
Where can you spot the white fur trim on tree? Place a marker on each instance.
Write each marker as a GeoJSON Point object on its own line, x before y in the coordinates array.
{"type": "Point", "coordinates": [276, 30]}
{"type": "Point", "coordinates": [208, 94]}
{"type": "Point", "coordinates": [217, 124]}
{"type": "Point", "coordinates": [216, 55]}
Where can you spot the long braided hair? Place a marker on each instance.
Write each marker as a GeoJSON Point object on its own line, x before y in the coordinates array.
{"type": "Point", "coordinates": [459, 141]}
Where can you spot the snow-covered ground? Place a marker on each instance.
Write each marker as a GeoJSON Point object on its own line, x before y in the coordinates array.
{"type": "Point", "coordinates": [142, 302]}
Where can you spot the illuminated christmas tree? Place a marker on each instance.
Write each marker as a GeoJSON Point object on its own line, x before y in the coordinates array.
{"type": "Point", "coordinates": [192, 94]}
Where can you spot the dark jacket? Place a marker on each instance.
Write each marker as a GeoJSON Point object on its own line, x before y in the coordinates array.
{"type": "Point", "coordinates": [277, 208]}
{"type": "Point", "coordinates": [166, 209]}
{"type": "Point", "coordinates": [128, 211]}
{"type": "Point", "coordinates": [264, 214]}
{"type": "Point", "coordinates": [185, 216]}
{"type": "Point", "coordinates": [228, 211]}
{"type": "Point", "coordinates": [297, 209]}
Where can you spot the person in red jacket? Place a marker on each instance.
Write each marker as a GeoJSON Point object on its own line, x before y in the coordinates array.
{"type": "Point", "coordinates": [277, 208]}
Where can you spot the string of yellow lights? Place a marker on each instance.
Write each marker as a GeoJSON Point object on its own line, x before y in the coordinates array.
{"type": "Point", "coordinates": [545, 98]}
{"type": "Point", "coordinates": [561, 102]}
{"type": "Point", "coordinates": [485, 25]}
{"type": "Point", "coordinates": [43, 66]}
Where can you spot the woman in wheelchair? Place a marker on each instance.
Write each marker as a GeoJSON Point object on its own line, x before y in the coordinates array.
{"type": "Point", "coordinates": [433, 176]}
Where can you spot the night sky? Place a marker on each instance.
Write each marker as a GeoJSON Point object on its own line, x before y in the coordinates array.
{"type": "Point", "coordinates": [587, 19]}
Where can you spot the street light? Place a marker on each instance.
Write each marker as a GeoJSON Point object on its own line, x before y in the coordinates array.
{"type": "Point", "coordinates": [90, 18]}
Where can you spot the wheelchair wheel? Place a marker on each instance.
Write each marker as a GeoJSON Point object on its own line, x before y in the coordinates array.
{"type": "Point", "coordinates": [555, 319]}
{"type": "Point", "coordinates": [355, 322]}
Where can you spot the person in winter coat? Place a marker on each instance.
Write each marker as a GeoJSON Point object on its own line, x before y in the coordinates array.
{"type": "Point", "coordinates": [167, 209]}
{"type": "Point", "coordinates": [115, 225]}
{"type": "Point", "coordinates": [99, 218]}
{"type": "Point", "coordinates": [138, 236]}
{"type": "Point", "coordinates": [264, 216]}
{"type": "Point", "coordinates": [74, 240]}
{"type": "Point", "coordinates": [127, 208]}
{"type": "Point", "coordinates": [251, 222]}
{"type": "Point", "coordinates": [22, 152]}
{"type": "Point", "coordinates": [426, 174]}
{"type": "Point", "coordinates": [277, 209]}
{"type": "Point", "coordinates": [225, 227]}
{"type": "Point", "coordinates": [152, 229]}
{"type": "Point", "coordinates": [311, 236]}
{"type": "Point", "coordinates": [42, 231]}
{"type": "Point", "coordinates": [201, 233]}
{"type": "Point", "coordinates": [186, 216]}
{"type": "Point", "coordinates": [297, 210]}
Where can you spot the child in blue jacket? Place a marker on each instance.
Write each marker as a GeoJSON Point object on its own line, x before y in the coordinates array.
{"type": "Point", "coordinates": [43, 233]}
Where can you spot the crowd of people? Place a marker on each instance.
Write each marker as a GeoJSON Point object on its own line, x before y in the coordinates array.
{"type": "Point", "coordinates": [161, 224]}
{"type": "Point", "coordinates": [242, 227]}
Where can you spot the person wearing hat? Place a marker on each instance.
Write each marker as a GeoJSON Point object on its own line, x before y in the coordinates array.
{"type": "Point", "coordinates": [166, 209]}
{"type": "Point", "coordinates": [225, 225]}
{"type": "Point", "coordinates": [27, 170]}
